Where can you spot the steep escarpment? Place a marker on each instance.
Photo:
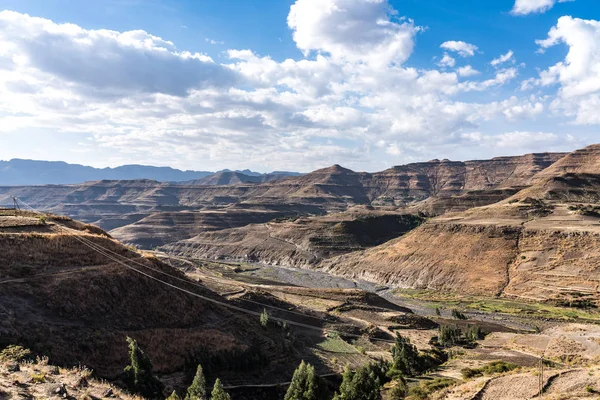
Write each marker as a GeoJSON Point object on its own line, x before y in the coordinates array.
{"type": "Point", "coordinates": [64, 298]}
{"type": "Point", "coordinates": [438, 256]}
{"type": "Point", "coordinates": [444, 179]}
{"type": "Point", "coordinates": [301, 241]}
{"type": "Point", "coordinates": [540, 244]}
{"type": "Point", "coordinates": [113, 204]}
{"type": "Point", "coordinates": [160, 228]}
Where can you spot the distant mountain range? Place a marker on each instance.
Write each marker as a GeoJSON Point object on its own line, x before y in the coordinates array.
{"type": "Point", "coordinates": [32, 172]}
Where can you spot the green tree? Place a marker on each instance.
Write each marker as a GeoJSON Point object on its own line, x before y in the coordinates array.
{"type": "Point", "coordinates": [197, 390]}
{"type": "Point", "coordinates": [138, 374]}
{"type": "Point", "coordinates": [306, 385]}
{"type": "Point", "coordinates": [174, 396]}
{"type": "Point", "coordinates": [360, 385]}
{"type": "Point", "coordinates": [398, 392]}
{"type": "Point", "coordinates": [405, 358]}
{"type": "Point", "coordinates": [218, 393]}
{"type": "Point", "coordinates": [264, 318]}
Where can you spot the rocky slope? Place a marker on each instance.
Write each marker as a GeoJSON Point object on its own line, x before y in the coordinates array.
{"type": "Point", "coordinates": [540, 244]}
{"type": "Point", "coordinates": [299, 241]}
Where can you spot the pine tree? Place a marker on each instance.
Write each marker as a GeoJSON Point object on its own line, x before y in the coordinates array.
{"type": "Point", "coordinates": [405, 357]}
{"type": "Point", "coordinates": [139, 374]}
{"type": "Point", "coordinates": [398, 392]}
{"type": "Point", "coordinates": [305, 384]}
{"type": "Point", "coordinates": [360, 385]}
{"type": "Point", "coordinates": [197, 390]}
{"type": "Point", "coordinates": [264, 318]}
{"type": "Point", "coordinates": [218, 393]}
{"type": "Point", "coordinates": [174, 396]}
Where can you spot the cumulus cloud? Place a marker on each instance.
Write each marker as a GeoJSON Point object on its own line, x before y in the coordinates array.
{"type": "Point", "coordinates": [579, 73]}
{"type": "Point", "coordinates": [509, 56]}
{"type": "Point", "coordinates": [352, 99]}
{"type": "Point", "coordinates": [467, 71]}
{"type": "Point", "coordinates": [522, 141]}
{"type": "Point", "coordinates": [447, 61]}
{"type": "Point", "coordinates": [462, 48]}
{"type": "Point", "coordinates": [107, 61]}
{"type": "Point", "coordinates": [524, 7]}
{"type": "Point", "coordinates": [352, 30]}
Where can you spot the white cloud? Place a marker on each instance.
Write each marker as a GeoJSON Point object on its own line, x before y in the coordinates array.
{"type": "Point", "coordinates": [467, 71]}
{"type": "Point", "coordinates": [134, 97]}
{"type": "Point", "coordinates": [579, 73]}
{"type": "Point", "coordinates": [352, 30]}
{"type": "Point", "coordinates": [462, 48]}
{"type": "Point", "coordinates": [503, 58]}
{"type": "Point", "coordinates": [524, 7]}
{"type": "Point", "coordinates": [522, 141]}
{"type": "Point", "coordinates": [447, 61]}
{"type": "Point", "coordinates": [213, 42]}
{"type": "Point", "coordinates": [108, 62]}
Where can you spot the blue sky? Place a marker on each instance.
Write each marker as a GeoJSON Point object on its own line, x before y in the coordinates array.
{"type": "Point", "coordinates": [234, 84]}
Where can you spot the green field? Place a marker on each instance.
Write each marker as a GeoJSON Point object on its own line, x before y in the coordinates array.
{"type": "Point", "coordinates": [435, 299]}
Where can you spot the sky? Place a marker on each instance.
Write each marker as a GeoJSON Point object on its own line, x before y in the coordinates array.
{"type": "Point", "coordinates": [296, 84]}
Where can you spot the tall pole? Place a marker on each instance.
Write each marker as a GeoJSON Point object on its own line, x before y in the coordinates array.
{"type": "Point", "coordinates": [16, 205]}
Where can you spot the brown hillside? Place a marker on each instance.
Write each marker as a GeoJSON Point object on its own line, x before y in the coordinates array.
{"type": "Point", "coordinates": [537, 248]}
{"type": "Point", "coordinates": [113, 204]}
{"type": "Point", "coordinates": [64, 300]}
{"type": "Point", "coordinates": [299, 242]}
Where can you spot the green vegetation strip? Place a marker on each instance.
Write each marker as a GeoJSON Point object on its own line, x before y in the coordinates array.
{"type": "Point", "coordinates": [435, 299]}
{"type": "Point", "coordinates": [337, 345]}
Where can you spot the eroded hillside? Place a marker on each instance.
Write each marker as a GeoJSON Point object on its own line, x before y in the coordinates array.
{"type": "Point", "coordinates": [540, 244]}
{"type": "Point", "coordinates": [449, 186]}
{"type": "Point", "coordinates": [67, 293]}
{"type": "Point", "coordinates": [299, 241]}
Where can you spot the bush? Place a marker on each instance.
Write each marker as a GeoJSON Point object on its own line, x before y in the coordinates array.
{"type": "Point", "coordinates": [468, 373]}
{"type": "Point", "coordinates": [458, 315]}
{"type": "Point", "coordinates": [398, 392]}
{"type": "Point", "coordinates": [426, 388]}
{"type": "Point", "coordinates": [495, 367]}
{"type": "Point", "coordinates": [38, 378]}
{"type": "Point", "coordinates": [15, 353]}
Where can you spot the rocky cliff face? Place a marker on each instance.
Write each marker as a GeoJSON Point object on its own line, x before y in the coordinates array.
{"type": "Point", "coordinates": [146, 212]}
{"type": "Point", "coordinates": [540, 244]}
{"type": "Point", "coordinates": [443, 179]}
{"type": "Point", "coordinates": [298, 242]}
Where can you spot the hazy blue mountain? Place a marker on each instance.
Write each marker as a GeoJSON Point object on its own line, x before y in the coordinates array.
{"type": "Point", "coordinates": [32, 172]}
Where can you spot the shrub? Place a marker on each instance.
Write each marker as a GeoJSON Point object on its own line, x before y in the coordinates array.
{"type": "Point", "coordinates": [15, 353]}
{"type": "Point", "coordinates": [468, 373]}
{"type": "Point", "coordinates": [426, 388]}
{"type": "Point", "coordinates": [458, 315]}
{"type": "Point", "coordinates": [38, 378]}
{"type": "Point", "coordinates": [495, 367]}
{"type": "Point", "coordinates": [398, 392]}
{"type": "Point", "coordinates": [498, 367]}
